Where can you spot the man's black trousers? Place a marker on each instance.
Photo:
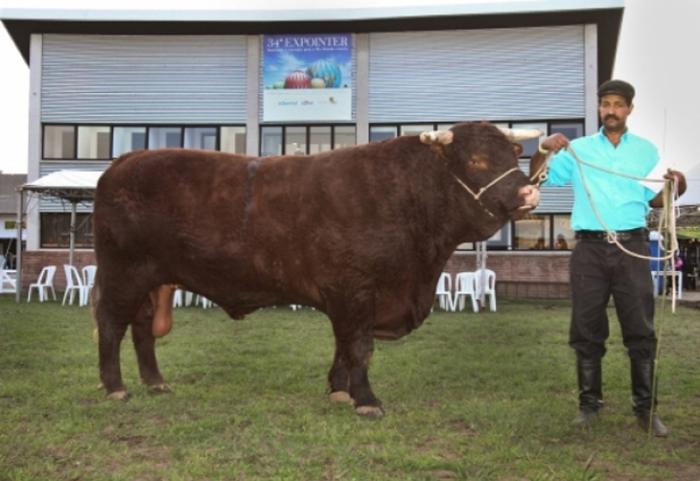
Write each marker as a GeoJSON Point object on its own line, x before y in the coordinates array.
{"type": "Point", "coordinates": [598, 271]}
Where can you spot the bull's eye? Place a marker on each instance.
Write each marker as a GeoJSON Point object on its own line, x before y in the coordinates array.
{"type": "Point", "coordinates": [479, 162]}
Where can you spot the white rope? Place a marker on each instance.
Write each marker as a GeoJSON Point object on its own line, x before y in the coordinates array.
{"type": "Point", "coordinates": [667, 222]}
{"type": "Point", "coordinates": [483, 189]}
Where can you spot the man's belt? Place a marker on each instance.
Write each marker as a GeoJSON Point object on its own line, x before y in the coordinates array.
{"type": "Point", "coordinates": [622, 235]}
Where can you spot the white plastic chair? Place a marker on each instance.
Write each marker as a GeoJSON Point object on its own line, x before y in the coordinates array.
{"type": "Point", "coordinates": [8, 284]}
{"type": "Point", "coordinates": [465, 283]}
{"type": "Point", "coordinates": [74, 284]}
{"type": "Point", "coordinates": [443, 291]}
{"type": "Point", "coordinates": [206, 303]}
{"type": "Point", "coordinates": [43, 283]}
{"type": "Point", "coordinates": [486, 285]}
{"type": "Point", "coordinates": [89, 273]}
{"type": "Point", "coordinates": [177, 298]}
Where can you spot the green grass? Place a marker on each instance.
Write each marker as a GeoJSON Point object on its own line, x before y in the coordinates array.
{"type": "Point", "coordinates": [472, 397]}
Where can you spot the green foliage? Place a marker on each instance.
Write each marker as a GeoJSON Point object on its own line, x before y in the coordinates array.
{"type": "Point", "coordinates": [468, 397]}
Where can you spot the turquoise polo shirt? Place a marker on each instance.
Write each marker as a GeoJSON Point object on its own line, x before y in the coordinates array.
{"type": "Point", "coordinates": [623, 203]}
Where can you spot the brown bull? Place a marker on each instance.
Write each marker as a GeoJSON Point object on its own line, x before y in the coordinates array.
{"type": "Point", "coordinates": [361, 234]}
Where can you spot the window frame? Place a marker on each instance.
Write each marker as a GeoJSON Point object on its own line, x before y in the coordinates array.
{"type": "Point", "coordinates": [112, 126]}
{"type": "Point", "coordinates": [77, 142]}
{"type": "Point", "coordinates": [307, 128]}
{"type": "Point", "coordinates": [43, 140]}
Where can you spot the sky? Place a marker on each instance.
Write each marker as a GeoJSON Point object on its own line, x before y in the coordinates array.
{"type": "Point", "coordinates": [657, 52]}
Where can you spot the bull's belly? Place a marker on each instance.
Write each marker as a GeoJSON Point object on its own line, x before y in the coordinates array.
{"type": "Point", "coordinates": [393, 322]}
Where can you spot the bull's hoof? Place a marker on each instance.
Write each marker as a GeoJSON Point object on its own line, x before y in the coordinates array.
{"type": "Point", "coordinates": [160, 388]}
{"type": "Point", "coordinates": [118, 396]}
{"type": "Point", "coordinates": [370, 412]}
{"type": "Point", "coordinates": [340, 397]}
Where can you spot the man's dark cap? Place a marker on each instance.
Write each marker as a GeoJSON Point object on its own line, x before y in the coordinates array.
{"type": "Point", "coordinates": [617, 87]}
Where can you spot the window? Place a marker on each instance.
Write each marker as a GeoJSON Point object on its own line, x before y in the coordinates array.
{"type": "Point", "coordinates": [128, 139]}
{"type": "Point", "coordinates": [105, 142]}
{"type": "Point", "coordinates": [320, 138]}
{"type": "Point", "coordinates": [200, 138]}
{"type": "Point", "coordinates": [59, 142]}
{"type": "Point", "coordinates": [344, 136]}
{"type": "Point", "coordinates": [93, 142]}
{"type": "Point", "coordinates": [304, 139]}
{"type": "Point", "coordinates": [500, 240]}
{"type": "Point", "coordinates": [415, 129]}
{"type": "Point", "coordinates": [564, 238]}
{"type": "Point", "coordinates": [295, 140]}
{"type": "Point", "coordinates": [271, 141]}
{"type": "Point", "coordinates": [532, 233]}
{"type": "Point", "coordinates": [233, 140]}
{"type": "Point", "coordinates": [378, 133]}
{"type": "Point", "coordinates": [55, 230]}
{"type": "Point", "coordinates": [571, 130]}
{"type": "Point", "coordinates": [164, 137]}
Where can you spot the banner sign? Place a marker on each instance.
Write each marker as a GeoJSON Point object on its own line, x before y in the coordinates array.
{"type": "Point", "coordinates": [307, 77]}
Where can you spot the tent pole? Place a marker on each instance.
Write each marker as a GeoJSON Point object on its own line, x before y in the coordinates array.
{"type": "Point", "coordinates": [481, 261]}
{"type": "Point", "coordinates": [18, 245]}
{"type": "Point", "coordinates": [71, 251]}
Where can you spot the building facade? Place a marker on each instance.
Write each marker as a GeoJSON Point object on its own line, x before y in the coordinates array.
{"type": "Point", "coordinates": [106, 85]}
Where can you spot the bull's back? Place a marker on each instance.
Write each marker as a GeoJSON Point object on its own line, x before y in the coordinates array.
{"type": "Point", "coordinates": [149, 198]}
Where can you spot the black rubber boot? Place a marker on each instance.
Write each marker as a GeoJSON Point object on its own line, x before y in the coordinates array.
{"type": "Point", "coordinates": [642, 374]}
{"type": "Point", "coordinates": [590, 397]}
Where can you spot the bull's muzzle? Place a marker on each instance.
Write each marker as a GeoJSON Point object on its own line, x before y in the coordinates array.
{"type": "Point", "coordinates": [531, 198]}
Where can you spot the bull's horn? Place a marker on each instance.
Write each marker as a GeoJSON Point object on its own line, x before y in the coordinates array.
{"type": "Point", "coordinates": [514, 135]}
{"type": "Point", "coordinates": [443, 136]}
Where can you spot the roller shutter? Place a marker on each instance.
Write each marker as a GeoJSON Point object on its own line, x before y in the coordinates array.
{"type": "Point", "coordinates": [143, 79]}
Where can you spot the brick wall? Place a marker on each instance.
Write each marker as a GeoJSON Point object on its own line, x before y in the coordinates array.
{"type": "Point", "coordinates": [518, 274]}
{"type": "Point", "coordinates": [521, 274]}
{"type": "Point", "coordinates": [33, 261]}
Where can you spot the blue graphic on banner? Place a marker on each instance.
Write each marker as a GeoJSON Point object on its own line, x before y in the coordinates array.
{"type": "Point", "coordinates": [307, 77]}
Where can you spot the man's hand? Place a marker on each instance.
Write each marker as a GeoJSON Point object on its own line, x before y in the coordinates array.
{"type": "Point", "coordinates": [678, 178]}
{"type": "Point", "coordinates": [552, 144]}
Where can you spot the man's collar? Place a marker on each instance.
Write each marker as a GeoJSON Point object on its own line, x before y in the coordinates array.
{"type": "Point", "coordinates": [623, 137]}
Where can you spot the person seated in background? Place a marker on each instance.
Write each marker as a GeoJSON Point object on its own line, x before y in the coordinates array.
{"type": "Point", "coordinates": [539, 245]}
{"type": "Point", "coordinates": [561, 242]}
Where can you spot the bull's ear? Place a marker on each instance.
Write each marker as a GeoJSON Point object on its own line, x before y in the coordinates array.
{"type": "Point", "coordinates": [517, 149]}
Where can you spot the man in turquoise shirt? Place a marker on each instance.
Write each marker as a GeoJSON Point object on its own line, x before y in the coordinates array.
{"type": "Point", "coordinates": [598, 268]}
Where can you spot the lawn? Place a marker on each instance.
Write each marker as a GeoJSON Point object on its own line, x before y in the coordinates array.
{"type": "Point", "coordinates": [468, 397]}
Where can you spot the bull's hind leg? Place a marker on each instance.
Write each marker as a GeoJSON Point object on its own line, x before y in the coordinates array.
{"type": "Point", "coordinates": [144, 345]}
{"type": "Point", "coordinates": [112, 321]}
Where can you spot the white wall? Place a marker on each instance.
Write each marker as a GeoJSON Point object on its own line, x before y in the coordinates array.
{"type": "Point", "coordinates": [658, 54]}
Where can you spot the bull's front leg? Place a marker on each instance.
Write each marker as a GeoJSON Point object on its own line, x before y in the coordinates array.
{"type": "Point", "coordinates": [354, 348]}
{"type": "Point", "coordinates": [339, 379]}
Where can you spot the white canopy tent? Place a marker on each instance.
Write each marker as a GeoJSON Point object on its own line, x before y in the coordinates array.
{"type": "Point", "coordinates": [75, 186]}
